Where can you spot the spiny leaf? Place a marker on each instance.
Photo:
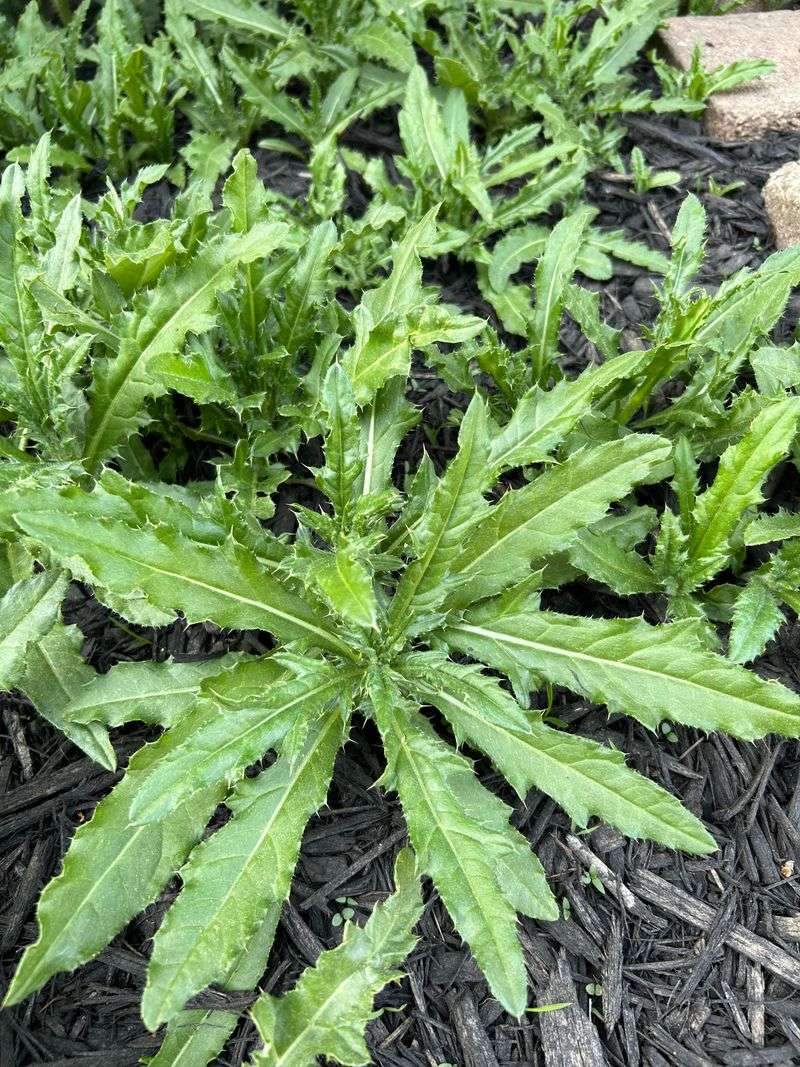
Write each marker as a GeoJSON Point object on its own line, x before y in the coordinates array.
{"type": "Point", "coordinates": [383, 424]}
{"type": "Point", "coordinates": [600, 556]}
{"type": "Point", "coordinates": [19, 323]}
{"type": "Point", "coordinates": [328, 1010]}
{"type": "Point", "coordinates": [306, 287]}
{"type": "Point", "coordinates": [456, 504]}
{"type": "Point", "coordinates": [483, 869]}
{"type": "Point", "coordinates": [211, 744]}
{"type": "Point", "coordinates": [195, 1037]}
{"type": "Point", "coordinates": [347, 585]}
{"type": "Point", "coordinates": [61, 261]}
{"type": "Point", "coordinates": [543, 418]}
{"type": "Point", "coordinates": [688, 235]}
{"type": "Point", "coordinates": [338, 476]}
{"type": "Point", "coordinates": [764, 529]}
{"type": "Point", "coordinates": [111, 872]}
{"type": "Point", "coordinates": [737, 487]}
{"type": "Point", "coordinates": [146, 572]}
{"type": "Point", "coordinates": [545, 516]}
{"type": "Point", "coordinates": [55, 671]}
{"type": "Point", "coordinates": [27, 611]}
{"type": "Point", "coordinates": [231, 879]}
{"type": "Point", "coordinates": [585, 778]}
{"type": "Point", "coordinates": [421, 129]}
{"type": "Point", "coordinates": [143, 692]}
{"type": "Point", "coordinates": [553, 272]}
{"type": "Point", "coordinates": [756, 617]}
{"type": "Point", "coordinates": [181, 302]}
{"type": "Point", "coordinates": [244, 15]}
{"type": "Point", "coordinates": [649, 672]}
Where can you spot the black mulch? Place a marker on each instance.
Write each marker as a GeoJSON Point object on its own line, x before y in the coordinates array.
{"type": "Point", "coordinates": [662, 959]}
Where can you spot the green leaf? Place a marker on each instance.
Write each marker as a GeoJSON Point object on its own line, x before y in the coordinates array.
{"type": "Point", "coordinates": [380, 40]}
{"type": "Point", "coordinates": [650, 672]}
{"type": "Point", "coordinates": [482, 868]}
{"type": "Point", "coordinates": [236, 875]}
{"type": "Point", "coordinates": [543, 418]}
{"type": "Point", "coordinates": [546, 515]}
{"type": "Point", "coordinates": [55, 671]}
{"type": "Point", "coordinates": [383, 424]}
{"type": "Point", "coordinates": [61, 261]}
{"type": "Point", "coordinates": [212, 744]}
{"type": "Point", "coordinates": [756, 616]}
{"type": "Point", "coordinates": [456, 504]}
{"type": "Point", "coordinates": [585, 778]}
{"type": "Point", "coordinates": [195, 1037]}
{"type": "Point", "coordinates": [268, 101]}
{"type": "Point", "coordinates": [764, 529]}
{"type": "Point", "coordinates": [553, 273]}
{"type": "Point", "coordinates": [602, 558]}
{"type": "Point", "coordinates": [244, 15]}
{"type": "Point", "coordinates": [111, 872]}
{"type": "Point", "coordinates": [421, 128]}
{"type": "Point", "coordinates": [143, 692]}
{"type": "Point", "coordinates": [19, 323]}
{"type": "Point", "coordinates": [146, 572]}
{"type": "Point", "coordinates": [27, 612]}
{"type": "Point", "coordinates": [182, 301]}
{"type": "Point", "coordinates": [385, 325]}
{"type": "Point", "coordinates": [244, 194]}
{"type": "Point", "coordinates": [347, 585]}
{"type": "Point", "coordinates": [737, 487]}
{"type": "Point", "coordinates": [688, 238]}
{"type": "Point", "coordinates": [583, 306]}
{"type": "Point", "coordinates": [329, 1008]}
{"type": "Point", "coordinates": [337, 478]}
{"type": "Point", "coordinates": [305, 291]}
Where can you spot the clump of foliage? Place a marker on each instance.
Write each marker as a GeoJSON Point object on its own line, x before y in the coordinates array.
{"type": "Point", "coordinates": [118, 116]}
{"type": "Point", "coordinates": [162, 380]}
{"type": "Point", "coordinates": [110, 80]}
{"type": "Point", "coordinates": [424, 602]}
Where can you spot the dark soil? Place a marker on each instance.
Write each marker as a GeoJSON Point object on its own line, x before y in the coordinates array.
{"type": "Point", "coordinates": [662, 960]}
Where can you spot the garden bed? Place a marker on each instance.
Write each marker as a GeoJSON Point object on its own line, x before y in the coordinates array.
{"type": "Point", "coordinates": [643, 984]}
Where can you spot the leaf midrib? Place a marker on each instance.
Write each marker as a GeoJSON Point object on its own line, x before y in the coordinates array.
{"type": "Point", "coordinates": [139, 355]}
{"type": "Point", "coordinates": [501, 637]}
{"type": "Point", "coordinates": [244, 866]}
{"type": "Point", "coordinates": [478, 895]}
{"type": "Point", "coordinates": [519, 735]}
{"type": "Point", "coordinates": [238, 598]}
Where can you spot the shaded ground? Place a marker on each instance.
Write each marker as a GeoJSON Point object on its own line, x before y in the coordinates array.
{"type": "Point", "coordinates": [644, 984]}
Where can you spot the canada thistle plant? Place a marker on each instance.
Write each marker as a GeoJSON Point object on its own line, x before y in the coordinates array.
{"type": "Point", "coordinates": [423, 602]}
{"type": "Point", "coordinates": [391, 604]}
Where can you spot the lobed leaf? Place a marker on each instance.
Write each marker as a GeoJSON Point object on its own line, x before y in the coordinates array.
{"type": "Point", "coordinates": [737, 487]}
{"type": "Point", "coordinates": [28, 610]}
{"type": "Point", "coordinates": [649, 672]}
{"type": "Point", "coordinates": [215, 743]}
{"type": "Point", "coordinates": [112, 871]}
{"type": "Point", "coordinates": [328, 1010]}
{"type": "Point", "coordinates": [240, 873]}
{"type": "Point", "coordinates": [482, 868]}
{"type": "Point", "coordinates": [148, 571]}
{"type": "Point", "coordinates": [546, 515]}
{"type": "Point", "coordinates": [585, 778]}
{"type": "Point", "coordinates": [54, 672]}
{"type": "Point", "coordinates": [182, 301]}
{"type": "Point", "coordinates": [143, 691]}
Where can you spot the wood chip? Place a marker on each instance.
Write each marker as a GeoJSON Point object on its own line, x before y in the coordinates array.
{"type": "Point", "coordinates": [675, 901]}
{"type": "Point", "coordinates": [569, 1037]}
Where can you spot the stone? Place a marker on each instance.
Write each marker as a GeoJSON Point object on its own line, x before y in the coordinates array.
{"type": "Point", "coordinates": [749, 111]}
{"type": "Point", "coordinates": [782, 201]}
